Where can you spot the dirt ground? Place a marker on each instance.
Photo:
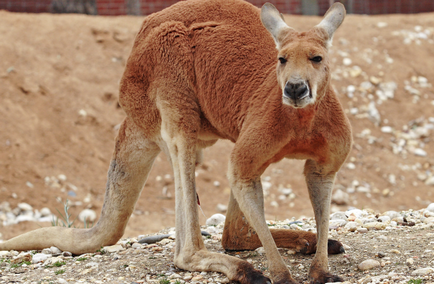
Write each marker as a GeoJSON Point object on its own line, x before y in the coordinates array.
{"type": "Point", "coordinates": [59, 77]}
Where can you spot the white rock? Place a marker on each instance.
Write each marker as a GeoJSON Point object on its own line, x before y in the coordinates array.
{"type": "Point", "coordinates": [362, 230]}
{"type": "Point", "coordinates": [409, 261]}
{"type": "Point", "coordinates": [386, 129]}
{"type": "Point", "coordinates": [25, 207]}
{"type": "Point", "coordinates": [46, 251]}
{"type": "Point", "coordinates": [39, 257]}
{"type": "Point", "coordinates": [53, 260]}
{"type": "Point", "coordinates": [222, 208]}
{"type": "Point", "coordinates": [212, 230]}
{"type": "Point", "coordinates": [266, 185]}
{"type": "Point", "coordinates": [420, 152]}
{"type": "Point", "coordinates": [337, 223]}
{"type": "Point", "coordinates": [45, 212]}
{"type": "Point", "coordinates": [23, 218]}
{"type": "Point", "coordinates": [215, 220]}
{"type": "Point", "coordinates": [260, 250]}
{"type": "Point", "coordinates": [92, 265]}
{"type": "Point", "coordinates": [373, 113]}
{"type": "Point", "coordinates": [351, 89]}
{"type": "Point", "coordinates": [375, 226]}
{"type": "Point", "coordinates": [114, 248]}
{"type": "Point", "coordinates": [430, 207]}
{"type": "Point", "coordinates": [429, 220]}
{"type": "Point", "coordinates": [381, 25]}
{"type": "Point", "coordinates": [430, 181]}
{"type": "Point", "coordinates": [55, 251]}
{"type": "Point", "coordinates": [351, 166]}
{"type": "Point", "coordinates": [384, 219]}
{"type": "Point", "coordinates": [175, 276]}
{"type": "Point", "coordinates": [4, 253]}
{"type": "Point", "coordinates": [285, 191]}
{"type": "Point", "coordinates": [338, 216]}
{"type": "Point", "coordinates": [137, 246]}
{"type": "Point", "coordinates": [87, 214]}
{"type": "Point", "coordinates": [61, 177]}
{"type": "Point", "coordinates": [351, 226]}
{"type": "Point", "coordinates": [340, 197]}
{"type": "Point", "coordinates": [363, 189]}
{"type": "Point", "coordinates": [356, 212]}
{"type": "Point", "coordinates": [347, 61]}
{"type": "Point", "coordinates": [392, 214]}
{"type": "Point", "coordinates": [423, 271]}
{"type": "Point", "coordinates": [368, 264]}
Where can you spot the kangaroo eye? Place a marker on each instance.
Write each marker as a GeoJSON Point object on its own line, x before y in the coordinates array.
{"type": "Point", "coordinates": [282, 60]}
{"type": "Point", "coordinates": [316, 59]}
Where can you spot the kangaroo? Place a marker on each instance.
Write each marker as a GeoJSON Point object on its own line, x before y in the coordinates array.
{"type": "Point", "coordinates": [203, 70]}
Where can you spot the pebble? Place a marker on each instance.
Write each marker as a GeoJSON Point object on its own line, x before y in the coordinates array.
{"type": "Point", "coordinates": [351, 226]}
{"type": "Point", "coordinates": [347, 61]}
{"type": "Point", "coordinates": [429, 220]}
{"type": "Point", "coordinates": [423, 271]}
{"type": "Point", "coordinates": [386, 129]}
{"type": "Point", "coordinates": [39, 257]}
{"type": "Point", "coordinates": [222, 208]}
{"type": "Point", "coordinates": [375, 226]}
{"type": "Point", "coordinates": [25, 207]}
{"type": "Point", "coordinates": [87, 215]}
{"type": "Point", "coordinates": [430, 181]}
{"type": "Point", "coordinates": [340, 197]}
{"type": "Point", "coordinates": [362, 230]}
{"type": "Point", "coordinates": [114, 248]}
{"type": "Point", "coordinates": [45, 212]}
{"type": "Point", "coordinates": [215, 220]}
{"type": "Point", "coordinates": [420, 152]}
{"type": "Point", "coordinates": [409, 261]}
{"type": "Point", "coordinates": [369, 264]}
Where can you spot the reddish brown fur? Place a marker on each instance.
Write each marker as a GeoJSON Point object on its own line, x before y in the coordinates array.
{"type": "Point", "coordinates": [204, 70]}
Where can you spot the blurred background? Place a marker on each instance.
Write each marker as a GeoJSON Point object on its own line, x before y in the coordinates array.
{"type": "Point", "coordinates": [59, 80]}
{"type": "Point", "coordinates": [146, 7]}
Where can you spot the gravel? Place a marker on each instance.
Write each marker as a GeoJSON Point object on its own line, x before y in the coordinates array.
{"type": "Point", "coordinates": [389, 247]}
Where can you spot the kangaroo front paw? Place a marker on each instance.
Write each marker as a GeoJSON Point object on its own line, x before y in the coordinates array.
{"type": "Point", "coordinates": [325, 277]}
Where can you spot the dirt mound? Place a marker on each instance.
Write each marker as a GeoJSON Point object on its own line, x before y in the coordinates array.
{"type": "Point", "coordinates": [59, 78]}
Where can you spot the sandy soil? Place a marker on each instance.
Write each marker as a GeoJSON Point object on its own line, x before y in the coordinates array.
{"type": "Point", "coordinates": [59, 80]}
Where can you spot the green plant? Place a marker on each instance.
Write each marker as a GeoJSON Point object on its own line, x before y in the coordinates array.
{"type": "Point", "coordinates": [81, 259]}
{"type": "Point", "coordinates": [59, 263]}
{"type": "Point", "coordinates": [177, 282]}
{"type": "Point", "coordinates": [164, 280]}
{"type": "Point", "coordinates": [15, 265]}
{"type": "Point", "coordinates": [65, 220]}
{"type": "Point", "coordinates": [61, 271]}
{"type": "Point", "coordinates": [415, 281]}
{"type": "Point", "coordinates": [101, 250]}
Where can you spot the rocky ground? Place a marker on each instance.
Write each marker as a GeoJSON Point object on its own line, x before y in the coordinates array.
{"type": "Point", "coordinates": [59, 78]}
{"type": "Point", "coordinates": [393, 247]}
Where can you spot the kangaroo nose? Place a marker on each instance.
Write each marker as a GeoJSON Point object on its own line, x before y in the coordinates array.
{"type": "Point", "coordinates": [295, 91]}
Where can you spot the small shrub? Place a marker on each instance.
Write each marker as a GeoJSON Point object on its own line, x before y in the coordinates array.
{"type": "Point", "coordinates": [415, 281]}
{"type": "Point", "coordinates": [164, 281]}
{"type": "Point", "coordinates": [61, 271]}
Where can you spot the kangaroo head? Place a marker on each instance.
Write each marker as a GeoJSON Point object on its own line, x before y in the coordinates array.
{"type": "Point", "coordinates": [303, 63]}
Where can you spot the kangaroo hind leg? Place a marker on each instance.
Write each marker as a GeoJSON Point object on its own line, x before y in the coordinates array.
{"type": "Point", "coordinates": [132, 160]}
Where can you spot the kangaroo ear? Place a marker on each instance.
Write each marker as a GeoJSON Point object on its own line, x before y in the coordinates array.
{"type": "Point", "coordinates": [333, 19]}
{"type": "Point", "coordinates": [273, 22]}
